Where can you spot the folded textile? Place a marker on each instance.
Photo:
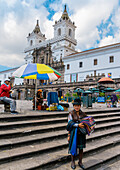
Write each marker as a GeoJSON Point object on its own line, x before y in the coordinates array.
{"type": "Point", "coordinates": [89, 123]}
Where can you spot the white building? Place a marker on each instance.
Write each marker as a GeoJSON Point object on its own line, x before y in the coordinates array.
{"type": "Point", "coordinates": [104, 59]}
{"type": "Point", "coordinates": [63, 43]}
{"type": "Point", "coordinates": [8, 73]}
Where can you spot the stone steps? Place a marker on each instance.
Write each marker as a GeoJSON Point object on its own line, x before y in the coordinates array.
{"type": "Point", "coordinates": [96, 161]}
{"type": "Point", "coordinates": [20, 124]}
{"type": "Point", "coordinates": [47, 156]}
{"type": "Point", "coordinates": [50, 115]}
{"type": "Point", "coordinates": [44, 137]}
{"type": "Point", "coordinates": [31, 116]}
{"type": "Point", "coordinates": [40, 141]}
{"type": "Point", "coordinates": [26, 131]}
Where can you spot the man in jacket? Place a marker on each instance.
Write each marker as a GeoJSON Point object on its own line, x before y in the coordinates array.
{"type": "Point", "coordinates": [5, 96]}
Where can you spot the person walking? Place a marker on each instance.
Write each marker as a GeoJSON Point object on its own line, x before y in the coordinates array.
{"type": "Point", "coordinates": [114, 100]}
{"type": "Point", "coordinates": [77, 133]}
{"type": "Point", "coordinates": [5, 96]}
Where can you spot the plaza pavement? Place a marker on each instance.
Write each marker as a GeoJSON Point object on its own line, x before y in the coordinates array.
{"type": "Point", "coordinates": [25, 106]}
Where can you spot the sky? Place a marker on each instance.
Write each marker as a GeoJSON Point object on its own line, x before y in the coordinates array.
{"type": "Point", "coordinates": [97, 22]}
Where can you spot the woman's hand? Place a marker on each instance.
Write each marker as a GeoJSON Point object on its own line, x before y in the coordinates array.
{"type": "Point", "coordinates": [68, 138]}
{"type": "Point", "coordinates": [81, 125]}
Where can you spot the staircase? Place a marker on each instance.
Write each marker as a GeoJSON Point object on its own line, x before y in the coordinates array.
{"type": "Point", "coordinates": [39, 141]}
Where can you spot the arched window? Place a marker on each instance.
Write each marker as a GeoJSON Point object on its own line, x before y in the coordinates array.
{"type": "Point", "coordinates": [70, 32]}
{"type": "Point", "coordinates": [31, 42]}
{"type": "Point", "coordinates": [59, 31]}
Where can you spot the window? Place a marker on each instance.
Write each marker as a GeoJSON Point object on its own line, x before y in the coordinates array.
{"type": "Point", "coordinates": [111, 59]}
{"type": "Point", "coordinates": [46, 58]}
{"type": "Point", "coordinates": [42, 61]}
{"type": "Point", "coordinates": [70, 32]}
{"type": "Point", "coordinates": [59, 32]}
{"type": "Point", "coordinates": [95, 61]}
{"type": "Point", "coordinates": [74, 77]}
{"type": "Point", "coordinates": [68, 66]}
{"type": "Point", "coordinates": [80, 64]}
{"type": "Point", "coordinates": [31, 42]}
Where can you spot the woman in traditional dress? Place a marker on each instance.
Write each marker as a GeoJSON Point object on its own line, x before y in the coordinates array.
{"type": "Point", "coordinates": [77, 133]}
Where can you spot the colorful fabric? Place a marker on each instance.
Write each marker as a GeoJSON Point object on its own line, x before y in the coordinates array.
{"type": "Point", "coordinates": [37, 71]}
{"type": "Point", "coordinates": [89, 123]}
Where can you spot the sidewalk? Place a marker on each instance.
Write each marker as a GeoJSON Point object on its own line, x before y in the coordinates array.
{"type": "Point", "coordinates": [95, 107]}
{"type": "Point", "coordinates": [25, 106]}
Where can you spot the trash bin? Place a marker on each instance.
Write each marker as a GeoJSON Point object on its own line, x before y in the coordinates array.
{"type": "Point", "coordinates": [87, 99]}
{"type": "Point", "coordinates": [69, 99]}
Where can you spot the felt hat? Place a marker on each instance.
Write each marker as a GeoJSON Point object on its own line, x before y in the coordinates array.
{"type": "Point", "coordinates": [77, 101]}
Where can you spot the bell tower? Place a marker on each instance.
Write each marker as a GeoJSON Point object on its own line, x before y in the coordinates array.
{"type": "Point", "coordinates": [34, 39]}
{"type": "Point", "coordinates": [64, 33]}
{"type": "Point", "coordinates": [36, 36]}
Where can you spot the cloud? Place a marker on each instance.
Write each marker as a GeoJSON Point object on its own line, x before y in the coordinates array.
{"type": "Point", "coordinates": [18, 18]}
{"type": "Point", "coordinates": [16, 22]}
{"type": "Point", "coordinates": [115, 26]}
{"type": "Point", "coordinates": [87, 16]}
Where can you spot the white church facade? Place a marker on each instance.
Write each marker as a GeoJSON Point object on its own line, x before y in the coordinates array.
{"type": "Point", "coordinates": [63, 43]}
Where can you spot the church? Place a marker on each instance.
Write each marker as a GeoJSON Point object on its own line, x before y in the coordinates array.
{"type": "Point", "coordinates": [60, 53]}
{"type": "Point", "coordinates": [62, 44]}
{"type": "Point", "coordinates": [77, 65]}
